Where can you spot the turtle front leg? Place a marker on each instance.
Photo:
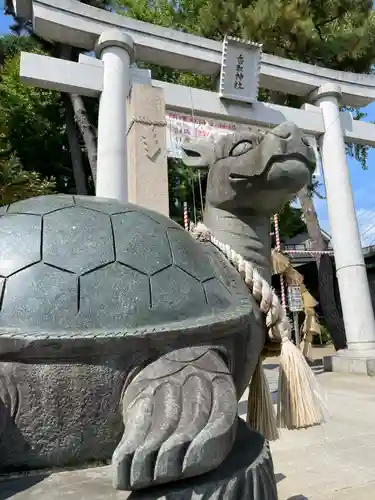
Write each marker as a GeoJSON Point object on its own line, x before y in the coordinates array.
{"type": "Point", "coordinates": [180, 419]}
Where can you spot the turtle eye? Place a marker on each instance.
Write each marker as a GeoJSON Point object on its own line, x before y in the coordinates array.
{"type": "Point", "coordinates": [241, 148]}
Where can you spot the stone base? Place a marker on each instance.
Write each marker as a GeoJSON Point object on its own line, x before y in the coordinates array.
{"type": "Point", "coordinates": [347, 361]}
{"type": "Point", "coordinates": [246, 474]}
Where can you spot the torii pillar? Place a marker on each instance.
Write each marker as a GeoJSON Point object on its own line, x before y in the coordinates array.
{"type": "Point", "coordinates": [351, 272]}
{"type": "Point", "coordinates": [132, 159]}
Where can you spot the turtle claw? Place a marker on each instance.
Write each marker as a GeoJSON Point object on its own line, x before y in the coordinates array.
{"type": "Point", "coordinates": [211, 445]}
{"type": "Point", "coordinates": [136, 431]}
{"type": "Point", "coordinates": [179, 417]}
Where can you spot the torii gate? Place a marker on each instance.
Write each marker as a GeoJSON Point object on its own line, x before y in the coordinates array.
{"type": "Point", "coordinates": [142, 176]}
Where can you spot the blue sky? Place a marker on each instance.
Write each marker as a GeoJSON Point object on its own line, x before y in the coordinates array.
{"type": "Point", "coordinates": [363, 182]}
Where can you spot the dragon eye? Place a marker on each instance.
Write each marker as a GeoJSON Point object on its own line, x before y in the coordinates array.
{"type": "Point", "coordinates": [241, 148]}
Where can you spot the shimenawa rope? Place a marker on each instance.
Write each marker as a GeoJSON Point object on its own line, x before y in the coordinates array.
{"type": "Point", "coordinates": [300, 403]}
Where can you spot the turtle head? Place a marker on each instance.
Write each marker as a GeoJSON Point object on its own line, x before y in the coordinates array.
{"type": "Point", "coordinates": [256, 171]}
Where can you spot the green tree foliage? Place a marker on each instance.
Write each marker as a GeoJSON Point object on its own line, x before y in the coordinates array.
{"type": "Point", "coordinates": [33, 146]}
{"type": "Point", "coordinates": [17, 183]}
{"type": "Point", "coordinates": [338, 34]}
{"type": "Point", "coordinates": [80, 130]}
{"type": "Point", "coordinates": [185, 185]}
{"type": "Point", "coordinates": [290, 222]}
{"type": "Point", "coordinates": [31, 126]}
{"type": "Point", "coordinates": [12, 45]}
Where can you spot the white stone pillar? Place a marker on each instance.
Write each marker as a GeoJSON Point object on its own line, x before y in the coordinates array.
{"type": "Point", "coordinates": [115, 48]}
{"type": "Point", "coordinates": [352, 279]}
{"type": "Point", "coordinates": [147, 148]}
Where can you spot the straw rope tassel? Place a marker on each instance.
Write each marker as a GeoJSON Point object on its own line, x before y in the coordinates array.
{"type": "Point", "coordinates": [300, 403]}
{"type": "Point", "coordinates": [260, 412]}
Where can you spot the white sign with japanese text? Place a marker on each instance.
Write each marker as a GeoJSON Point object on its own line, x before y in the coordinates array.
{"type": "Point", "coordinates": [240, 66]}
{"type": "Point", "coordinates": [295, 302]}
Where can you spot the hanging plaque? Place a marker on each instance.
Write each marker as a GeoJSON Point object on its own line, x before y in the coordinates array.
{"type": "Point", "coordinates": [295, 302]}
{"type": "Point", "coordinates": [240, 66]}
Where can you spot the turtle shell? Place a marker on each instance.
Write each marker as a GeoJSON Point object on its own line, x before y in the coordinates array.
{"type": "Point", "coordinates": [80, 266]}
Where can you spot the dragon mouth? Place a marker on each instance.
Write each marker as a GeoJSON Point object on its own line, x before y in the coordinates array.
{"type": "Point", "coordinates": [190, 152]}
{"type": "Point", "coordinates": [276, 159]}
{"type": "Point", "coordinates": [196, 155]}
{"type": "Point", "coordinates": [291, 156]}
{"type": "Point", "coordinates": [238, 177]}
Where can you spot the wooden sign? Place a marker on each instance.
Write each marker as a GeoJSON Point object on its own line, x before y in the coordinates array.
{"type": "Point", "coordinates": [240, 67]}
{"type": "Point", "coordinates": [295, 302]}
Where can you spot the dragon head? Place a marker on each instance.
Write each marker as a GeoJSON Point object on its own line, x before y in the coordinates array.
{"type": "Point", "coordinates": [257, 171]}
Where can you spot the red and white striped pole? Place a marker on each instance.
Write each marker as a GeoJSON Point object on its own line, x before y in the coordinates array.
{"type": "Point", "coordinates": [186, 216]}
{"type": "Point", "coordinates": [278, 249]}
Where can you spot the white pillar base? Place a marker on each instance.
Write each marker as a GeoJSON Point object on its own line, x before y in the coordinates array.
{"type": "Point", "coordinates": [350, 361]}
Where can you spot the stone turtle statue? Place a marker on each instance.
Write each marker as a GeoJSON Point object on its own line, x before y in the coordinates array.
{"type": "Point", "coordinates": [120, 333]}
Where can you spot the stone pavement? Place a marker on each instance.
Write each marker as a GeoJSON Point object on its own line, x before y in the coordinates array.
{"type": "Point", "coordinates": [333, 462]}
